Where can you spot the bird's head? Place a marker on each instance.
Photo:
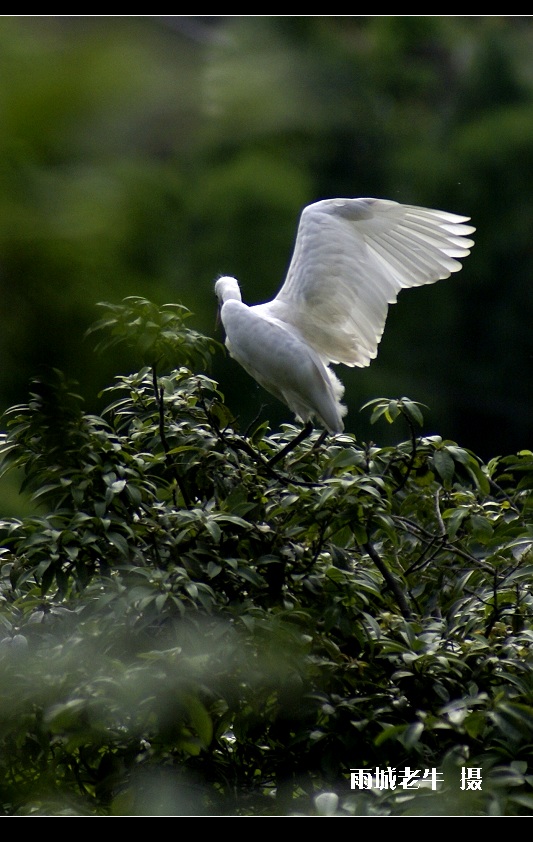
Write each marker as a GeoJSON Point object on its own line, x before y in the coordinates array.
{"type": "Point", "coordinates": [226, 288]}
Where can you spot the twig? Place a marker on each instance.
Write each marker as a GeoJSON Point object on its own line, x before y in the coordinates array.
{"type": "Point", "coordinates": [159, 396]}
{"type": "Point", "coordinates": [413, 454]}
{"type": "Point", "coordinates": [390, 581]}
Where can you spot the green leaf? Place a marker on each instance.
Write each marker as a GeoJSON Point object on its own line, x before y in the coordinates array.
{"type": "Point", "coordinates": [444, 466]}
{"type": "Point", "coordinates": [411, 735]}
{"type": "Point", "coordinates": [119, 542]}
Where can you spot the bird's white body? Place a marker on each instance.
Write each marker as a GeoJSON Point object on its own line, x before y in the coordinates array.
{"type": "Point", "coordinates": [351, 258]}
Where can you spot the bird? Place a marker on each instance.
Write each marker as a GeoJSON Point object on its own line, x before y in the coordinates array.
{"type": "Point", "coordinates": [351, 258]}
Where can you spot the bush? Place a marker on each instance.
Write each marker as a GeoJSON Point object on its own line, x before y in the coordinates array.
{"type": "Point", "coordinates": [187, 630]}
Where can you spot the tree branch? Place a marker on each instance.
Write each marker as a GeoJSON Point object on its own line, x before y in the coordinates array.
{"type": "Point", "coordinates": [390, 581]}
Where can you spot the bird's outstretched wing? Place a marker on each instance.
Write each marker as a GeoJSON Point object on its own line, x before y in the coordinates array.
{"type": "Point", "coordinates": [351, 258]}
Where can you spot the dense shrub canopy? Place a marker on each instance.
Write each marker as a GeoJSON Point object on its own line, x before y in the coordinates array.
{"type": "Point", "coordinates": [187, 630]}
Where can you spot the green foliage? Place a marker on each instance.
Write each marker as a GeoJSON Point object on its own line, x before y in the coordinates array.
{"type": "Point", "coordinates": [187, 631]}
{"type": "Point", "coordinates": [157, 333]}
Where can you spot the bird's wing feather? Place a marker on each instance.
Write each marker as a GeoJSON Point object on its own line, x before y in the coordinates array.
{"type": "Point", "coordinates": [351, 258]}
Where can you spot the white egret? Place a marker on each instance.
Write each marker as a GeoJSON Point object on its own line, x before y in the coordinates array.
{"type": "Point", "coordinates": [351, 258]}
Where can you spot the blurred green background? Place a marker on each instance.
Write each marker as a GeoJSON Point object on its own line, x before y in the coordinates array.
{"type": "Point", "coordinates": [148, 155]}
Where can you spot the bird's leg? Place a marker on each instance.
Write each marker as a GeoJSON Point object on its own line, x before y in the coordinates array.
{"type": "Point", "coordinates": [303, 434]}
{"type": "Point", "coordinates": [320, 439]}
